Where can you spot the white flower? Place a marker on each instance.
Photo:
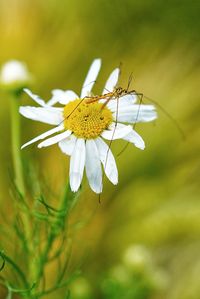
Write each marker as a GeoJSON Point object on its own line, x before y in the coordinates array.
{"type": "Point", "coordinates": [14, 74]}
{"type": "Point", "coordinates": [82, 126]}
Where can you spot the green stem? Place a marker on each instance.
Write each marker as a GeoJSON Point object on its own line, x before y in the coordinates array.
{"type": "Point", "coordinates": [67, 202]}
{"type": "Point", "coordinates": [18, 169]}
{"type": "Point", "coordinates": [15, 267]}
{"type": "Point", "coordinates": [15, 135]}
{"type": "Point", "coordinates": [62, 285]}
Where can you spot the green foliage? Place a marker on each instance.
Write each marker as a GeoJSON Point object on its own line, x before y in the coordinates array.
{"type": "Point", "coordinates": [38, 251]}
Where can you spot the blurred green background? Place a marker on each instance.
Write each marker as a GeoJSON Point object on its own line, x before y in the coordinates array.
{"type": "Point", "coordinates": [156, 205]}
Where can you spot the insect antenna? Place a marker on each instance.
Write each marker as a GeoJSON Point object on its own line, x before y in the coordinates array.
{"type": "Point", "coordinates": [92, 82]}
{"type": "Point", "coordinates": [107, 90]}
{"type": "Point", "coordinates": [174, 121]}
{"type": "Point", "coordinates": [120, 69]}
{"type": "Point", "coordinates": [129, 81]}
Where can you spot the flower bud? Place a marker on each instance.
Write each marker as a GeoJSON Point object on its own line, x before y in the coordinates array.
{"type": "Point", "coordinates": [14, 76]}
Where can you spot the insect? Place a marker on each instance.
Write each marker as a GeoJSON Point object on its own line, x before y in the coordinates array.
{"type": "Point", "coordinates": [117, 95]}
{"type": "Point", "coordinates": [120, 92]}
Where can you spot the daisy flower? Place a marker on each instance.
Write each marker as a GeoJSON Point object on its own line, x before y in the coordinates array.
{"type": "Point", "coordinates": [80, 127]}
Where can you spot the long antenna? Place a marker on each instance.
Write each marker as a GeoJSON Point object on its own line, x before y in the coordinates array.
{"type": "Point", "coordinates": [129, 81]}
{"type": "Point", "coordinates": [169, 116]}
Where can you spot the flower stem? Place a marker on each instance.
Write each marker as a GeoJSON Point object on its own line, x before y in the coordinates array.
{"type": "Point", "coordinates": [15, 135]}
{"type": "Point", "coordinates": [18, 169]}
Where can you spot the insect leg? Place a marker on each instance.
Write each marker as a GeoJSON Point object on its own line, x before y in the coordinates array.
{"type": "Point", "coordinates": [110, 143]}
{"type": "Point", "coordinates": [140, 95]}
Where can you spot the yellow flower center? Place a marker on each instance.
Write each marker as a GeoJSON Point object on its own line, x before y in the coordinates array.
{"type": "Point", "coordinates": [86, 120]}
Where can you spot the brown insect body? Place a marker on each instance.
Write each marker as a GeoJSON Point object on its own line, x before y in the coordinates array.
{"type": "Point", "coordinates": [116, 93]}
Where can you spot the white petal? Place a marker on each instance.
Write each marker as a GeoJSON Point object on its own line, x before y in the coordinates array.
{"type": "Point", "coordinates": [62, 97]}
{"type": "Point", "coordinates": [35, 97]}
{"type": "Point", "coordinates": [91, 77]}
{"type": "Point", "coordinates": [77, 163]}
{"type": "Point", "coordinates": [136, 113]}
{"type": "Point", "coordinates": [136, 139]}
{"type": "Point", "coordinates": [116, 131]}
{"type": "Point", "coordinates": [107, 160]}
{"type": "Point", "coordinates": [93, 166]}
{"type": "Point", "coordinates": [127, 100]}
{"type": "Point", "coordinates": [44, 135]}
{"type": "Point", "coordinates": [67, 145]}
{"type": "Point", "coordinates": [112, 81]}
{"type": "Point", "coordinates": [48, 115]}
{"type": "Point", "coordinates": [54, 139]}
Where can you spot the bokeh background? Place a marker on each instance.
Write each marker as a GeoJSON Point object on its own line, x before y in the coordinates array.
{"type": "Point", "coordinates": [143, 240]}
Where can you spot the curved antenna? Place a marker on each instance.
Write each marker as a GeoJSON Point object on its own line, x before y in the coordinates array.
{"type": "Point", "coordinates": [92, 82]}
{"type": "Point", "coordinates": [120, 70]}
{"type": "Point", "coordinates": [175, 122]}
{"type": "Point", "coordinates": [129, 81]}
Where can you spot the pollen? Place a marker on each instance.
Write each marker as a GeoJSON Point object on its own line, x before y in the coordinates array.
{"type": "Point", "coordinates": [86, 120]}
